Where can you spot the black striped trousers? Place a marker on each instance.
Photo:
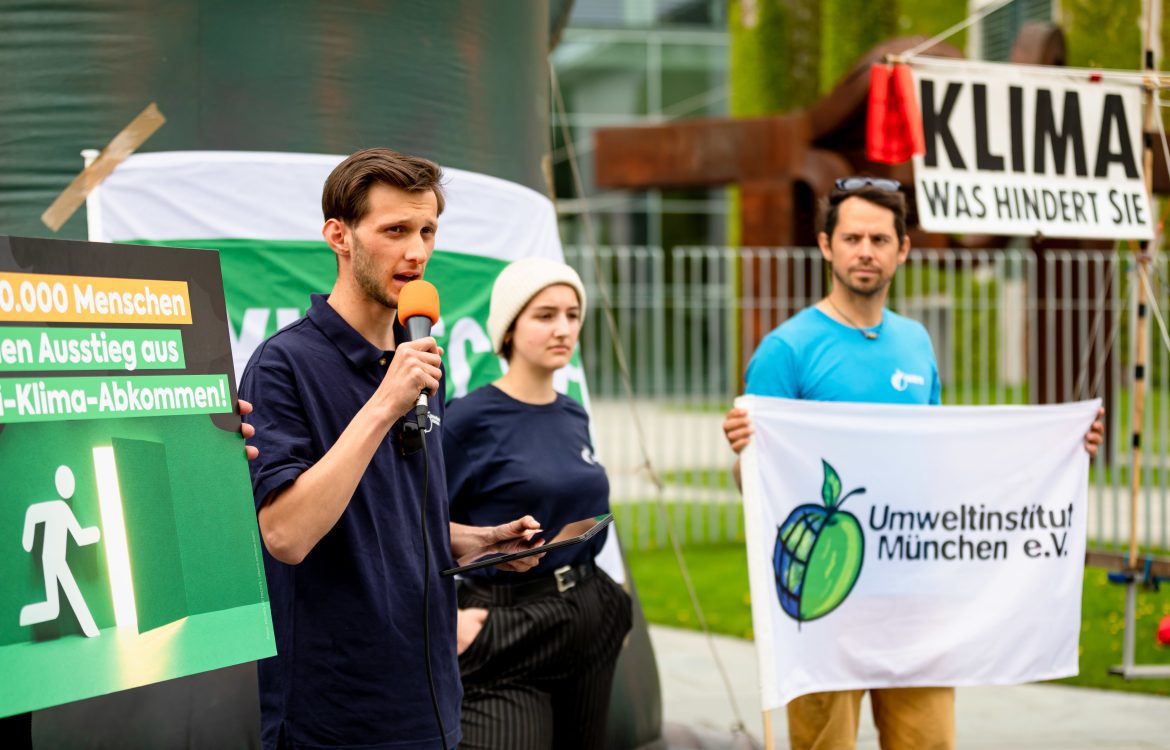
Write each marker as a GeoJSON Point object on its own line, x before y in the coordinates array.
{"type": "Point", "coordinates": [539, 674]}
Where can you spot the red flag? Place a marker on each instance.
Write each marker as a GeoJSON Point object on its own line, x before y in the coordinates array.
{"type": "Point", "coordinates": [894, 128]}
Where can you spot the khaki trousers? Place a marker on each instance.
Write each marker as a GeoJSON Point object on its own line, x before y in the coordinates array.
{"type": "Point", "coordinates": [906, 719]}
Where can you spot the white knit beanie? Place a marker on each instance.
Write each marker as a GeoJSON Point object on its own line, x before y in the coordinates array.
{"type": "Point", "coordinates": [517, 284]}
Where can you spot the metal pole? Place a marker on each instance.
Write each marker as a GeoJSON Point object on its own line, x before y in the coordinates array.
{"type": "Point", "coordinates": [93, 202]}
{"type": "Point", "coordinates": [1152, 20]}
{"type": "Point", "coordinates": [1127, 643]}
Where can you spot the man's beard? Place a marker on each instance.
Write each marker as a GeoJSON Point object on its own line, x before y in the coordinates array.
{"type": "Point", "coordinates": [879, 286]}
{"type": "Point", "coordinates": [367, 278]}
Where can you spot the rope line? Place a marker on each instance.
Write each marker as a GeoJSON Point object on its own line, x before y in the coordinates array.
{"type": "Point", "coordinates": [1154, 308]}
{"type": "Point", "coordinates": [968, 21]}
{"type": "Point", "coordinates": [1096, 387]}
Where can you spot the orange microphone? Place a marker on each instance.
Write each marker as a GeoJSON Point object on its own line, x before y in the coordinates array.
{"type": "Point", "coordinates": [418, 310]}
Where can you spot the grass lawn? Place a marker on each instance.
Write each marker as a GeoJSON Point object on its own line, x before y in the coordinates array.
{"type": "Point", "coordinates": [719, 573]}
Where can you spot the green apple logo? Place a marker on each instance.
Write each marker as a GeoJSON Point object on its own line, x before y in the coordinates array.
{"type": "Point", "coordinates": [818, 554]}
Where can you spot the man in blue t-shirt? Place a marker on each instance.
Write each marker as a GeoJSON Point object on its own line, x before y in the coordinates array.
{"type": "Point", "coordinates": [340, 493]}
{"type": "Point", "coordinates": [849, 347]}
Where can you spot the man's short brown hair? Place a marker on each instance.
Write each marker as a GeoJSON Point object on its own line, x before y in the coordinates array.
{"type": "Point", "coordinates": [346, 193]}
{"type": "Point", "coordinates": [893, 200]}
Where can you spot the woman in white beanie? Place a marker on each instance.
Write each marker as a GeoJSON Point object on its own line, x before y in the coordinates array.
{"type": "Point", "coordinates": [537, 649]}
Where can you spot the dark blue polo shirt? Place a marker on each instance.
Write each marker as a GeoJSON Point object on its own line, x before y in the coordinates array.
{"type": "Point", "coordinates": [349, 667]}
{"type": "Point", "coordinates": [508, 458]}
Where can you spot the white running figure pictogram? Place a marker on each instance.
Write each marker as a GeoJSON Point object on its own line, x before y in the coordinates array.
{"type": "Point", "coordinates": [59, 523]}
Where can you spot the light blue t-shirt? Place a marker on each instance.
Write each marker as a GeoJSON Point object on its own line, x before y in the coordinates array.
{"type": "Point", "coordinates": [813, 357]}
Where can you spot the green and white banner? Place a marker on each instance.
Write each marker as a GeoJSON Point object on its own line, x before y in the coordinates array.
{"type": "Point", "coordinates": [262, 211]}
{"type": "Point", "coordinates": [128, 543]}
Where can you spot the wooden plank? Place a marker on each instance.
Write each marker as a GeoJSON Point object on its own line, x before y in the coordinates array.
{"type": "Point", "coordinates": [124, 143]}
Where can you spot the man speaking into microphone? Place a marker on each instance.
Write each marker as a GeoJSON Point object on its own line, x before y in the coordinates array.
{"type": "Point", "coordinates": [341, 484]}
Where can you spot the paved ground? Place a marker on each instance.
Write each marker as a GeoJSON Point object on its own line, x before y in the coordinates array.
{"type": "Point", "coordinates": [1032, 717]}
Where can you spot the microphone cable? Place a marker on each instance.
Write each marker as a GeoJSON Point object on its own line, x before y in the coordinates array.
{"type": "Point", "coordinates": [427, 589]}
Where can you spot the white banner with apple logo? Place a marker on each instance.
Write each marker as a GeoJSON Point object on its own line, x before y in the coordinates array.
{"type": "Point", "coordinates": [902, 546]}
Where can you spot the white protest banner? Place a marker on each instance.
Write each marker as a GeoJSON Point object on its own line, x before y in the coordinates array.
{"type": "Point", "coordinates": [901, 546]}
{"type": "Point", "coordinates": [262, 211]}
{"type": "Point", "coordinates": [1021, 150]}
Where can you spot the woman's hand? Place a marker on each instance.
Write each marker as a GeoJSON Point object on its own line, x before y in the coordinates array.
{"type": "Point", "coordinates": [469, 543]}
{"type": "Point", "coordinates": [469, 623]}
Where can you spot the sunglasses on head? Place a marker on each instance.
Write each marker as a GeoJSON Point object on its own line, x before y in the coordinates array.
{"type": "Point", "coordinates": [856, 183]}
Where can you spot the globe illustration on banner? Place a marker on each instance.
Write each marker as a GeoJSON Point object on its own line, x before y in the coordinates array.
{"type": "Point", "coordinates": [818, 553]}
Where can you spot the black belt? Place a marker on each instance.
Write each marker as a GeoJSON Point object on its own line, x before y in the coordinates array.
{"type": "Point", "coordinates": [561, 580]}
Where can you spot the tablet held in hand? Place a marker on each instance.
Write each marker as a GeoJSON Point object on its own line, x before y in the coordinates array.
{"type": "Point", "coordinates": [572, 533]}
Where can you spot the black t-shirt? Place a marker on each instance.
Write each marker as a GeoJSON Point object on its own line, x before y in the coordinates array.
{"type": "Point", "coordinates": [507, 458]}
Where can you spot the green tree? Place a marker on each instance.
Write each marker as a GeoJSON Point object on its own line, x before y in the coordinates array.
{"type": "Point", "coordinates": [1102, 35]}
{"type": "Point", "coordinates": [848, 30]}
{"type": "Point", "coordinates": [775, 64]}
{"type": "Point", "coordinates": [930, 17]}
{"type": "Point", "coordinates": [775, 55]}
